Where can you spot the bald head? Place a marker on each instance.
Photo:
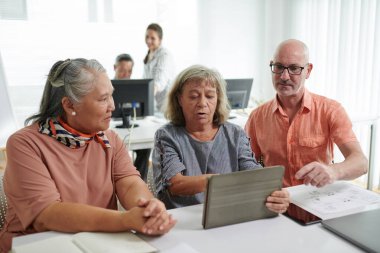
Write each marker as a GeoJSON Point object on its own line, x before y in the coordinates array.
{"type": "Point", "coordinates": [292, 48]}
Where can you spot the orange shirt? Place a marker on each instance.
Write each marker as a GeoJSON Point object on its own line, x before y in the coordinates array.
{"type": "Point", "coordinates": [41, 170]}
{"type": "Point", "coordinates": [318, 124]}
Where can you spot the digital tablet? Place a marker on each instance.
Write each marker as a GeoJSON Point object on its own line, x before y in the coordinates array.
{"type": "Point", "coordinates": [240, 196]}
{"type": "Point", "coordinates": [301, 216]}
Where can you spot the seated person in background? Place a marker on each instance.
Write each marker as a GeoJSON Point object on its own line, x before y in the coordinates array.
{"type": "Point", "coordinates": [123, 70]}
{"type": "Point", "coordinates": [199, 142]}
{"type": "Point", "coordinates": [123, 66]}
{"type": "Point", "coordinates": [297, 129]}
{"type": "Point", "coordinates": [65, 170]}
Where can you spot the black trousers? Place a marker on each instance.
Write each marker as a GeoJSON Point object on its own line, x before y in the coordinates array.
{"type": "Point", "coordinates": [142, 162]}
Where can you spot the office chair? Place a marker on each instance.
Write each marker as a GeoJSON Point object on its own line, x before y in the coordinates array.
{"type": "Point", "coordinates": [3, 203]}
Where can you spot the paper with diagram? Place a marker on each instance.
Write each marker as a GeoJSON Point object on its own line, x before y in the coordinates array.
{"type": "Point", "coordinates": [334, 200]}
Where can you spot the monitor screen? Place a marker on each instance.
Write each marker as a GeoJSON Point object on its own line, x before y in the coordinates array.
{"type": "Point", "coordinates": [238, 92]}
{"type": "Point", "coordinates": [133, 92]}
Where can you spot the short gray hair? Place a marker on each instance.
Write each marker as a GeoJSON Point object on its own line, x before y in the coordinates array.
{"type": "Point", "coordinates": [173, 110]}
{"type": "Point", "coordinates": [70, 78]}
{"type": "Point", "coordinates": [295, 44]}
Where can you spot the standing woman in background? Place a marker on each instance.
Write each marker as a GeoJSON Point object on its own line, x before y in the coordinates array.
{"type": "Point", "coordinates": [158, 64]}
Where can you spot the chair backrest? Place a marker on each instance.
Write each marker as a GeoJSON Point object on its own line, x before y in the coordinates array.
{"type": "Point", "coordinates": [3, 203]}
{"type": "Point", "coordinates": [3, 159]}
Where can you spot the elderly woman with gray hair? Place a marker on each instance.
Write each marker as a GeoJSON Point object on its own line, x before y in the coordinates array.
{"type": "Point", "coordinates": [65, 171]}
{"type": "Point", "coordinates": [199, 142]}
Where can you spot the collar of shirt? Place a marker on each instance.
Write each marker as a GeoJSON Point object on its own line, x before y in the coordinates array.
{"type": "Point", "coordinates": [306, 103]}
{"type": "Point", "coordinates": [156, 53]}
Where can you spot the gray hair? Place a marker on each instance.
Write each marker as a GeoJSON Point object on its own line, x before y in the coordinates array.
{"type": "Point", "coordinates": [70, 78]}
{"type": "Point", "coordinates": [295, 44]}
{"type": "Point", "coordinates": [173, 111]}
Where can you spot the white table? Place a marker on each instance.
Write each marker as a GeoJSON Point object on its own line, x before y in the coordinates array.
{"type": "Point", "coordinates": [278, 234]}
{"type": "Point", "coordinates": [142, 137]}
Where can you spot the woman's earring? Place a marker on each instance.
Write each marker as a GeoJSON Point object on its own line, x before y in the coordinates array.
{"type": "Point", "coordinates": [73, 113]}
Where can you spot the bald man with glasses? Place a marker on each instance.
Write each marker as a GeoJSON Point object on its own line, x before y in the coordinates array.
{"type": "Point", "coordinates": [298, 129]}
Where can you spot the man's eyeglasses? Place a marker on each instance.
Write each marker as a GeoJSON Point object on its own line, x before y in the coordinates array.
{"type": "Point", "coordinates": [292, 69]}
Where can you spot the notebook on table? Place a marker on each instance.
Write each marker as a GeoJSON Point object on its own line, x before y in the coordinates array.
{"type": "Point", "coordinates": [361, 229]}
{"type": "Point", "coordinates": [240, 196]}
{"type": "Point", "coordinates": [88, 242]}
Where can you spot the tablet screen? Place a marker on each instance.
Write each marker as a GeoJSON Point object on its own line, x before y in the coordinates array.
{"type": "Point", "coordinates": [240, 196]}
{"type": "Point", "coordinates": [301, 216]}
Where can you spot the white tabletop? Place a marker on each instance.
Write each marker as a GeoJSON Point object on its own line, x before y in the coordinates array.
{"type": "Point", "coordinates": [142, 136]}
{"type": "Point", "coordinates": [278, 234]}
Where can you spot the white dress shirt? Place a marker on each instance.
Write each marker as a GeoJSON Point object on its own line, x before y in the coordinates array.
{"type": "Point", "coordinates": [160, 67]}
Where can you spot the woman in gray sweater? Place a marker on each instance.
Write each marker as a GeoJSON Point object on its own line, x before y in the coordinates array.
{"type": "Point", "coordinates": [199, 142]}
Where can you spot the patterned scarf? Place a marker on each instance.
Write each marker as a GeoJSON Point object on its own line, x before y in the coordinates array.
{"type": "Point", "coordinates": [68, 136]}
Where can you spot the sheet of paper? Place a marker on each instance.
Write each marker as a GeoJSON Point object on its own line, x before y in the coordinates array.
{"type": "Point", "coordinates": [88, 242]}
{"type": "Point", "coordinates": [124, 242]}
{"type": "Point", "coordinates": [334, 200]}
{"type": "Point", "coordinates": [181, 247]}
{"type": "Point", "coordinates": [57, 244]}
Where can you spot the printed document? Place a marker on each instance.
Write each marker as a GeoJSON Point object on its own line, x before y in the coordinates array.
{"type": "Point", "coordinates": [334, 200]}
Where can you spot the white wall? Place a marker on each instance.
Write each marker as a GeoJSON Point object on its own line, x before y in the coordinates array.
{"type": "Point", "coordinates": [7, 122]}
{"type": "Point", "coordinates": [60, 30]}
{"type": "Point", "coordinates": [230, 39]}
{"type": "Point", "coordinates": [58, 33]}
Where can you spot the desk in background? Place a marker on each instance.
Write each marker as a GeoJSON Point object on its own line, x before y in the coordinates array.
{"type": "Point", "coordinates": [142, 137]}
{"type": "Point", "coordinates": [278, 234]}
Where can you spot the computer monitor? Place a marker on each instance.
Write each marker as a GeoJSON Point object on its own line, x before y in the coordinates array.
{"type": "Point", "coordinates": [129, 93]}
{"type": "Point", "coordinates": [238, 92]}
